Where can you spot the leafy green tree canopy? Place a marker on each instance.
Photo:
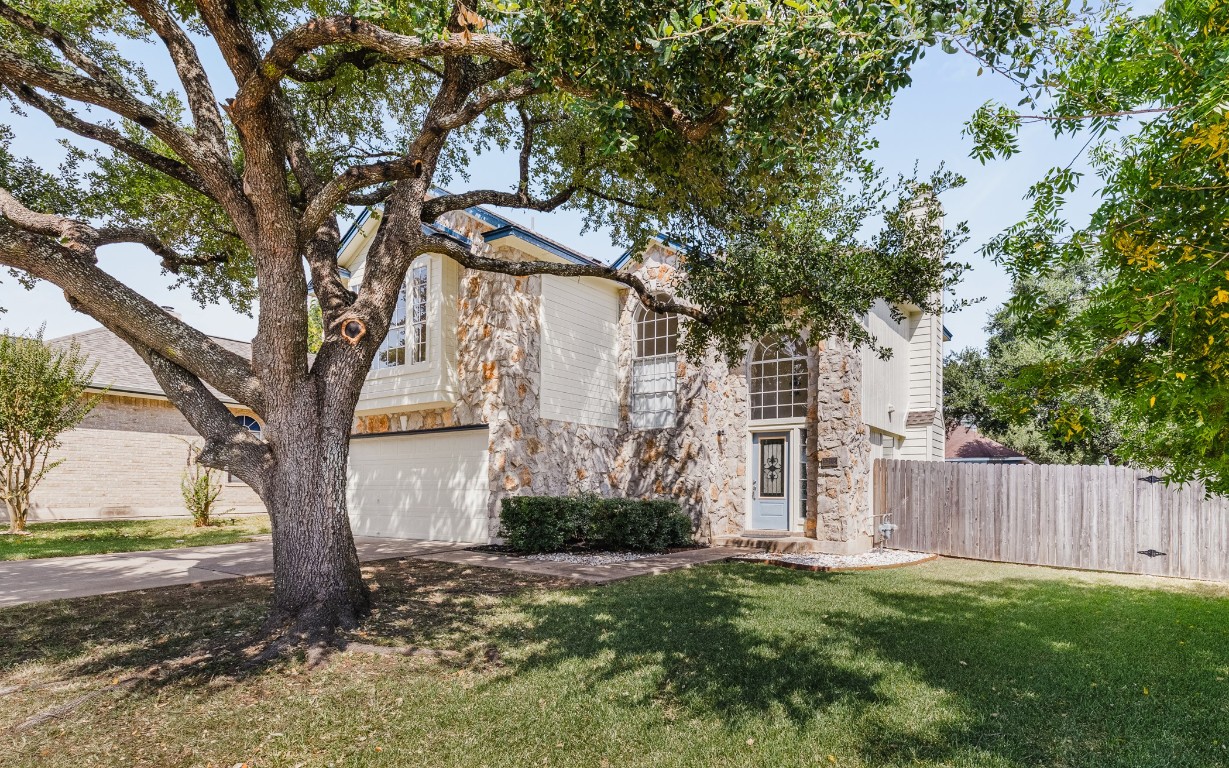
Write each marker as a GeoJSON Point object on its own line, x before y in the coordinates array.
{"type": "Point", "coordinates": [1150, 92]}
{"type": "Point", "coordinates": [1004, 390]}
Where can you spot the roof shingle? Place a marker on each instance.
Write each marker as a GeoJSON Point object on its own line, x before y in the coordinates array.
{"type": "Point", "coordinates": [120, 369]}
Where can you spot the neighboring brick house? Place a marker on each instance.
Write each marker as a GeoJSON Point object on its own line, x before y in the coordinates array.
{"type": "Point", "coordinates": [127, 457]}
{"type": "Point", "coordinates": [490, 385]}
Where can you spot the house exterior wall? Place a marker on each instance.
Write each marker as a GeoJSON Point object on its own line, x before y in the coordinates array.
{"type": "Point", "coordinates": [886, 383]}
{"type": "Point", "coordinates": [579, 354]}
{"type": "Point", "coordinates": [701, 457]}
{"type": "Point", "coordinates": [924, 433]}
{"type": "Point", "coordinates": [541, 362]}
{"type": "Point", "coordinates": [126, 460]}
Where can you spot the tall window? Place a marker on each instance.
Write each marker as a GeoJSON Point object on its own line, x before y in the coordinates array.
{"type": "Point", "coordinates": [654, 369]}
{"type": "Point", "coordinates": [407, 334]}
{"type": "Point", "coordinates": [778, 381]}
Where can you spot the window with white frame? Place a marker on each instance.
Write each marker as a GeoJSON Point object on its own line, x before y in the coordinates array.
{"type": "Point", "coordinates": [778, 380]}
{"type": "Point", "coordinates": [406, 341]}
{"type": "Point", "coordinates": [654, 369]}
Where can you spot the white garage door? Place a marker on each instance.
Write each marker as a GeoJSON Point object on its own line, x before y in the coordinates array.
{"type": "Point", "coordinates": [429, 486]}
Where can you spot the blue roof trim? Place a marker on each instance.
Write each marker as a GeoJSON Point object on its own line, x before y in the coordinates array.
{"type": "Point", "coordinates": [353, 230]}
{"type": "Point", "coordinates": [550, 246]}
{"type": "Point", "coordinates": [947, 335]}
{"type": "Point", "coordinates": [452, 234]}
{"type": "Point", "coordinates": [626, 256]}
{"type": "Point", "coordinates": [478, 212]}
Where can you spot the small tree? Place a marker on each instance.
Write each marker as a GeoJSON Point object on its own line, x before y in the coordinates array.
{"type": "Point", "coordinates": [42, 394]}
{"type": "Point", "coordinates": [201, 488]}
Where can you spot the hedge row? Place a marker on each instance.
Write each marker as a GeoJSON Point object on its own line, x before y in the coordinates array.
{"type": "Point", "coordinates": [551, 523]}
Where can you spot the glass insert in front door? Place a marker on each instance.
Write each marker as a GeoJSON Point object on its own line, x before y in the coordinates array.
{"type": "Point", "coordinates": [772, 468]}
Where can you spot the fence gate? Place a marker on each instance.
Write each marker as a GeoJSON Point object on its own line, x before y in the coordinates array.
{"type": "Point", "coordinates": [1095, 517]}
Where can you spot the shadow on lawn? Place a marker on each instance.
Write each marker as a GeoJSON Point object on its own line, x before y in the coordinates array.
{"type": "Point", "coordinates": [998, 672]}
{"type": "Point", "coordinates": [416, 603]}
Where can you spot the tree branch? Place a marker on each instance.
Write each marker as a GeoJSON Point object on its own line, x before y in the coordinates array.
{"type": "Point", "coordinates": [172, 260]}
{"type": "Point", "coordinates": [15, 71]}
{"type": "Point", "coordinates": [691, 129]}
{"type": "Point", "coordinates": [67, 120]}
{"type": "Point", "coordinates": [79, 238]}
{"type": "Point", "coordinates": [73, 54]}
{"type": "Point", "coordinates": [330, 30]}
{"type": "Point", "coordinates": [438, 206]}
{"type": "Point", "coordinates": [201, 100]}
{"type": "Point", "coordinates": [650, 298]}
{"type": "Point", "coordinates": [484, 100]}
{"type": "Point", "coordinates": [115, 305]}
{"type": "Point", "coordinates": [228, 446]}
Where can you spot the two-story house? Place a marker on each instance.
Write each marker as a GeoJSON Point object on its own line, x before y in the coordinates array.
{"type": "Point", "coordinates": [490, 385]}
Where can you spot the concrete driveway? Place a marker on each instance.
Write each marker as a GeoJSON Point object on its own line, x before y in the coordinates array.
{"type": "Point", "coordinates": [53, 578]}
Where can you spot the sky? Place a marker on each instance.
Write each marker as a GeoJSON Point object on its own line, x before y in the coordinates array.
{"type": "Point", "coordinates": [924, 130]}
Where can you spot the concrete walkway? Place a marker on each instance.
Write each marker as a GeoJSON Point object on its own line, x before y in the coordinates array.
{"type": "Point", "coordinates": [54, 578]}
{"type": "Point", "coordinates": [596, 574]}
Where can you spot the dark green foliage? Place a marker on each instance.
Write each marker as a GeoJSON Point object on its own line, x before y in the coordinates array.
{"type": "Point", "coordinates": [1148, 92]}
{"type": "Point", "coordinates": [541, 523]}
{"type": "Point", "coordinates": [550, 523]}
{"type": "Point", "coordinates": [639, 526]}
{"type": "Point", "coordinates": [1004, 390]}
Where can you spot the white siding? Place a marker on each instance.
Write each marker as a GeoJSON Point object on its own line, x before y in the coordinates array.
{"type": "Point", "coordinates": [885, 383]}
{"type": "Point", "coordinates": [429, 486]}
{"type": "Point", "coordinates": [432, 383]}
{"type": "Point", "coordinates": [579, 351]}
{"type": "Point", "coordinates": [925, 363]}
{"type": "Point", "coordinates": [925, 442]}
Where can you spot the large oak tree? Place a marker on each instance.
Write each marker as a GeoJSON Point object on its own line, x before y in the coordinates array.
{"type": "Point", "coordinates": [227, 136]}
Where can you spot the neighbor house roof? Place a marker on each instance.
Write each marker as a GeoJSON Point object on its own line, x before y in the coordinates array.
{"type": "Point", "coordinates": [120, 369]}
{"type": "Point", "coordinates": [966, 444]}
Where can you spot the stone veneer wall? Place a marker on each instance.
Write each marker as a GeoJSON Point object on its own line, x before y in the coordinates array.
{"type": "Point", "coordinates": [845, 523]}
{"type": "Point", "coordinates": [701, 459]}
{"type": "Point", "coordinates": [499, 339]}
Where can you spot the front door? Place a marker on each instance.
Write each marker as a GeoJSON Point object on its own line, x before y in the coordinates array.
{"type": "Point", "coordinates": [770, 484]}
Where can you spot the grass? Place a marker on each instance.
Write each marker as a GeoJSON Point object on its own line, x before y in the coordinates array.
{"type": "Point", "coordinates": [95, 537]}
{"type": "Point", "coordinates": [945, 664]}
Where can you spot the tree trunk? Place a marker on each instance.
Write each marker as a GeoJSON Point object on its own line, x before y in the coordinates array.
{"type": "Point", "coordinates": [317, 584]}
{"type": "Point", "coordinates": [18, 508]}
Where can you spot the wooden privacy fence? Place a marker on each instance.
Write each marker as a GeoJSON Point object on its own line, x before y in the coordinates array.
{"type": "Point", "coordinates": [1095, 517]}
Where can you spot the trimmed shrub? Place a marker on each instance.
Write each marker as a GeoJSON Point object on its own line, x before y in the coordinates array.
{"type": "Point", "coordinates": [550, 523]}
{"type": "Point", "coordinates": [641, 526]}
{"type": "Point", "coordinates": [540, 523]}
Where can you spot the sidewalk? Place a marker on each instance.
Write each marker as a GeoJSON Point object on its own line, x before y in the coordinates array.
{"type": "Point", "coordinates": [54, 578]}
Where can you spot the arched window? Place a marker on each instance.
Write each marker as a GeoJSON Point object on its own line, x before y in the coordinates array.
{"type": "Point", "coordinates": [248, 423]}
{"type": "Point", "coordinates": [251, 425]}
{"type": "Point", "coordinates": [406, 341]}
{"type": "Point", "coordinates": [654, 369]}
{"type": "Point", "coordinates": [778, 380]}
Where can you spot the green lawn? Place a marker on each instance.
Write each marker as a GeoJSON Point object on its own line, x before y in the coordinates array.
{"type": "Point", "coordinates": [95, 537]}
{"type": "Point", "coordinates": [945, 664]}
